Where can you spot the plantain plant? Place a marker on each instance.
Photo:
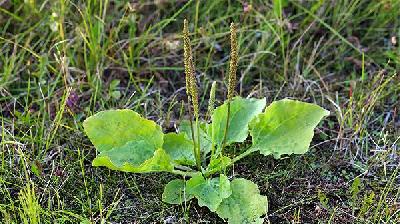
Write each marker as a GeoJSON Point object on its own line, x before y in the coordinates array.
{"type": "Point", "coordinates": [200, 152]}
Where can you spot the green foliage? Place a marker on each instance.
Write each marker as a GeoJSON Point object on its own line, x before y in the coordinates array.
{"type": "Point", "coordinates": [219, 164]}
{"type": "Point", "coordinates": [179, 148]}
{"type": "Point", "coordinates": [355, 189]}
{"type": "Point", "coordinates": [29, 204]}
{"type": "Point", "coordinates": [286, 127]}
{"type": "Point", "coordinates": [238, 201]}
{"type": "Point", "coordinates": [278, 6]}
{"type": "Point", "coordinates": [367, 202]}
{"type": "Point", "coordinates": [113, 90]}
{"type": "Point", "coordinates": [174, 192]}
{"type": "Point", "coordinates": [128, 142]}
{"type": "Point", "coordinates": [245, 204]}
{"type": "Point", "coordinates": [123, 159]}
{"type": "Point", "coordinates": [242, 111]}
{"type": "Point", "coordinates": [114, 128]}
{"type": "Point", "coordinates": [209, 192]}
{"type": "Point", "coordinates": [205, 139]}
{"type": "Point", "coordinates": [323, 199]}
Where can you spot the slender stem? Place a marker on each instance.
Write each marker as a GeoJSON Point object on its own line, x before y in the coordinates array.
{"type": "Point", "coordinates": [212, 145]}
{"type": "Point", "coordinates": [212, 148]}
{"type": "Point", "coordinates": [198, 142]}
{"type": "Point", "coordinates": [184, 168]}
{"type": "Point", "coordinates": [247, 152]}
{"type": "Point", "coordinates": [241, 156]}
{"type": "Point", "coordinates": [193, 138]}
{"type": "Point", "coordinates": [184, 173]}
{"type": "Point", "coordinates": [226, 128]}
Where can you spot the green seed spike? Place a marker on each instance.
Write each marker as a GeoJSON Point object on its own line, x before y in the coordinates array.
{"type": "Point", "coordinates": [195, 99]}
{"type": "Point", "coordinates": [233, 63]}
{"type": "Point", "coordinates": [186, 55]}
{"type": "Point", "coordinates": [191, 87]}
{"type": "Point", "coordinates": [211, 101]}
{"type": "Point", "coordinates": [191, 90]}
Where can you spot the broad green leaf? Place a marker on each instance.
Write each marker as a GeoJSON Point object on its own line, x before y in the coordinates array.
{"type": "Point", "coordinates": [224, 186]}
{"type": "Point", "coordinates": [244, 205]}
{"type": "Point", "coordinates": [179, 148]}
{"type": "Point", "coordinates": [286, 127]}
{"type": "Point", "coordinates": [123, 159]}
{"type": "Point", "coordinates": [127, 142]}
{"type": "Point", "coordinates": [115, 128]}
{"type": "Point", "coordinates": [175, 193]}
{"type": "Point", "coordinates": [241, 113]}
{"type": "Point", "coordinates": [205, 140]}
{"type": "Point", "coordinates": [209, 192]}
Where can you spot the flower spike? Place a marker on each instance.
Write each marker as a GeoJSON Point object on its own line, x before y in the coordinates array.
{"type": "Point", "coordinates": [191, 86]}
{"type": "Point", "coordinates": [233, 63]}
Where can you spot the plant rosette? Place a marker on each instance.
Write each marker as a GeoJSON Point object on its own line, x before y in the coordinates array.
{"type": "Point", "coordinates": [128, 142]}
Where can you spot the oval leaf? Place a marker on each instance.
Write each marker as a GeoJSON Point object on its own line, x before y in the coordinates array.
{"type": "Point", "coordinates": [209, 192]}
{"type": "Point", "coordinates": [244, 205]}
{"type": "Point", "coordinates": [205, 140]}
{"type": "Point", "coordinates": [286, 127]}
{"type": "Point", "coordinates": [127, 142]}
{"type": "Point", "coordinates": [115, 128]}
{"type": "Point", "coordinates": [179, 148]}
{"type": "Point", "coordinates": [242, 111]}
{"type": "Point", "coordinates": [174, 192]}
{"type": "Point", "coordinates": [117, 159]}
